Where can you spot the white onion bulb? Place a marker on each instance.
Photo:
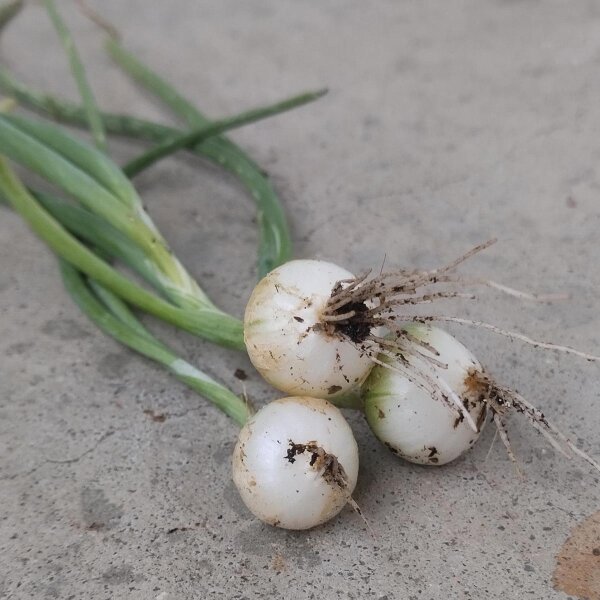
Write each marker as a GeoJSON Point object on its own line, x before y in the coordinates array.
{"type": "Point", "coordinates": [295, 463]}
{"type": "Point", "coordinates": [412, 423]}
{"type": "Point", "coordinates": [285, 338]}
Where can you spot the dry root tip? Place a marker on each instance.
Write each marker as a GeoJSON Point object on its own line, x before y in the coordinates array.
{"type": "Point", "coordinates": [501, 401]}
{"type": "Point", "coordinates": [352, 502]}
{"type": "Point", "coordinates": [503, 432]}
{"type": "Point", "coordinates": [98, 20]}
{"type": "Point", "coordinates": [513, 335]}
{"type": "Point", "coordinates": [520, 294]}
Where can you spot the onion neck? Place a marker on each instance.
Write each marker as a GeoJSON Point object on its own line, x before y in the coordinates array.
{"type": "Point", "coordinates": [352, 400]}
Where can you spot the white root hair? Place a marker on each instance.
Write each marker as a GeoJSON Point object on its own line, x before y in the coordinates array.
{"type": "Point", "coordinates": [363, 304]}
{"type": "Point", "coordinates": [513, 335]}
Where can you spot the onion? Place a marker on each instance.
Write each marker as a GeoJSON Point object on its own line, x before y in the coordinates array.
{"type": "Point", "coordinates": [295, 463]}
{"type": "Point", "coordinates": [417, 427]}
{"type": "Point", "coordinates": [312, 328]}
{"type": "Point", "coordinates": [290, 343]}
{"type": "Point", "coordinates": [411, 422]}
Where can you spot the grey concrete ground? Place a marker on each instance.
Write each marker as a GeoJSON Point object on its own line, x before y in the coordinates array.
{"type": "Point", "coordinates": [447, 123]}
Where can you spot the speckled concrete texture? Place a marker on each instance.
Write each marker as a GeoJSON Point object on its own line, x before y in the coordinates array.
{"type": "Point", "coordinates": [447, 123]}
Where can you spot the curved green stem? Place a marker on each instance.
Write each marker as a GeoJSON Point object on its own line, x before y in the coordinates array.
{"type": "Point", "coordinates": [99, 185]}
{"type": "Point", "coordinates": [208, 130]}
{"type": "Point", "coordinates": [114, 318]}
{"type": "Point", "coordinates": [211, 324]}
{"type": "Point", "coordinates": [85, 91]}
{"type": "Point", "coordinates": [275, 245]}
{"type": "Point", "coordinates": [97, 232]}
{"type": "Point", "coordinates": [154, 83]}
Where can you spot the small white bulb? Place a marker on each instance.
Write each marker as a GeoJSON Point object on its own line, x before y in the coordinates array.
{"type": "Point", "coordinates": [412, 423]}
{"type": "Point", "coordinates": [286, 341]}
{"type": "Point", "coordinates": [295, 463]}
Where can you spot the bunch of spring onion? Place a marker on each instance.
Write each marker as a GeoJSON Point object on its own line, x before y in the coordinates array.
{"type": "Point", "coordinates": [312, 329]}
{"type": "Point", "coordinates": [108, 223]}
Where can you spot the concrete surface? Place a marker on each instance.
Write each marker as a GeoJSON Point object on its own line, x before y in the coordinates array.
{"type": "Point", "coordinates": [447, 123]}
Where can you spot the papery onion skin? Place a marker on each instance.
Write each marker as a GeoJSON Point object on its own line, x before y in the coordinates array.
{"type": "Point", "coordinates": [287, 491]}
{"type": "Point", "coordinates": [285, 340]}
{"type": "Point", "coordinates": [409, 421]}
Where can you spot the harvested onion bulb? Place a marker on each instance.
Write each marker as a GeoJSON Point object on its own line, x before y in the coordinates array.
{"type": "Point", "coordinates": [408, 419]}
{"type": "Point", "coordinates": [417, 427]}
{"type": "Point", "coordinates": [294, 345]}
{"type": "Point", "coordinates": [295, 463]}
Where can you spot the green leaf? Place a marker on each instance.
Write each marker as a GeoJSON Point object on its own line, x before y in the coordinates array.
{"type": "Point", "coordinates": [61, 160]}
{"type": "Point", "coordinates": [208, 130]}
{"type": "Point", "coordinates": [115, 319]}
{"type": "Point", "coordinates": [51, 153]}
{"type": "Point", "coordinates": [78, 71]}
{"type": "Point", "coordinates": [97, 232]}
{"type": "Point", "coordinates": [275, 245]}
{"type": "Point", "coordinates": [82, 159]}
{"type": "Point", "coordinates": [209, 323]}
{"type": "Point", "coordinates": [155, 84]}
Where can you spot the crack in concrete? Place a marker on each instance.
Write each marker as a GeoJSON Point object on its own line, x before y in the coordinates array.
{"type": "Point", "coordinates": [63, 461]}
{"type": "Point", "coordinates": [101, 439]}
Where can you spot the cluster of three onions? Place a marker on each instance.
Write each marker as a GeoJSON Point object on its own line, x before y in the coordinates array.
{"type": "Point", "coordinates": [325, 337]}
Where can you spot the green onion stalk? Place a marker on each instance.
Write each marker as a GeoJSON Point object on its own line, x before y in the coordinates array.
{"type": "Point", "coordinates": [114, 318]}
{"type": "Point", "coordinates": [105, 192]}
{"type": "Point", "coordinates": [275, 245]}
{"type": "Point", "coordinates": [86, 224]}
{"type": "Point", "coordinates": [90, 177]}
{"type": "Point", "coordinates": [111, 220]}
{"type": "Point", "coordinates": [85, 174]}
{"type": "Point", "coordinates": [102, 293]}
{"type": "Point", "coordinates": [213, 325]}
